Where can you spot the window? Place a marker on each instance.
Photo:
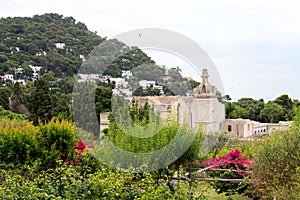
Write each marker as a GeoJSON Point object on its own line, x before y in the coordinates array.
{"type": "Point", "coordinates": [229, 128]}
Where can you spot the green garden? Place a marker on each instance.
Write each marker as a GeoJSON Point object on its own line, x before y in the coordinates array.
{"type": "Point", "coordinates": [49, 161]}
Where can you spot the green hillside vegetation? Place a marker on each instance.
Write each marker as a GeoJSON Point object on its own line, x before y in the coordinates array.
{"type": "Point", "coordinates": [59, 45]}
{"type": "Point", "coordinates": [33, 41]}
{"type": "Point", "coordinates": [26, 40]}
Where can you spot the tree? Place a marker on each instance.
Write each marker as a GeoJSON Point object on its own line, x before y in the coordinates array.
{"type": "Point", "coordinates": [49, 77]}
{"type": "Point", "coordinates": [17, 100]}
{"type": "Point", "coordinates": [287, 104]}
{"type": "Point", "coordinates": [3, 58]}
{"type": "Point", "coordinates": [60, 105]}
{"type": "Point", "coordinates": [233, 111]}
{"type": "Point", "coordinates": [4, 97]}
{"type": "Point", "coordinates": [102, 100]}
{"type": "Point", "coordinates": [7, 114]}
{"type": "Point", "coordinates": [192, 84]}
{"type": "Point", "coordinates": [27, 72]}
{"type": "Point", "coordinates": [175, 74]}
{"type": "Point", "coordinates": [246, 108]}
{"type": "Point", "coordinates": [252, 106]}
{"type": "Point", "coordinates": [40, 102]}
{"type": "Point", "coordinates": [272, 112]}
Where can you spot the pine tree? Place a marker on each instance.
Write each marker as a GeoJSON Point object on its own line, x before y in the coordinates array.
{"type": "Point", "coordinates": [40, 103]}
{"type": "Point", "coordinates": [18, 101]}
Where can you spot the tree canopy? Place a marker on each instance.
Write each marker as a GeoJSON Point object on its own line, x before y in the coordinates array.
{"type": "Point", "coordinates": [281, 109]}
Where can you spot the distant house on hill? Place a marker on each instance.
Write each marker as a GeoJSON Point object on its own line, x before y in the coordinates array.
{"type": "Point", "coordinates": [60, 45]}
{"type": "Point", "coordinates": [8, 77]}
{"type": "Point", "coordinates": [36, 71]}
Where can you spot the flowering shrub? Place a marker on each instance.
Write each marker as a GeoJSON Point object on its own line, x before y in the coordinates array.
{"type": "Point", "coordinates": [232, 165]}
{"type": "Point", "coordinates": [80, 149]}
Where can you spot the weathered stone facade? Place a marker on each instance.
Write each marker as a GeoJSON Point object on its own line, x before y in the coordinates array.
{"type": "Point", "coordinates": [203, 108]}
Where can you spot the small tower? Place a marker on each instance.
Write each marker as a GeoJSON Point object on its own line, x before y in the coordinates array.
{"type": "Point", "coordinates": [205, 89]}
{"type": "Point", "coordinates": [207, 111]}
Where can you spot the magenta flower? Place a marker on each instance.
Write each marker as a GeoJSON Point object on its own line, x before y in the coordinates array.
{"type": "Point", "coordinates": [233, 159]}
{"type": "Point", "coordinates": [80, 145]}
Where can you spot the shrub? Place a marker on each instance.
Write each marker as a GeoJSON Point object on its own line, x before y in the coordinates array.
{"type": "Point", "coordinates": [236, 166]}
{"type": "Point", "coordinates": [56, 141]}
{"type": "Point", "coordinates": [17, 142]}
{"type": "Point", "coordinates": [21, 142]}
{"type": "Point", "coordinates": [276, 172]}
{"type": "Point", "coordinates": [7, 114]}
{"type": "Point", "coordinates": [68, 182]}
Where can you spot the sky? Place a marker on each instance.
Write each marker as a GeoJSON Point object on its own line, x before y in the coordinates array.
{"type": "Point", "coordinates": [255, 45]}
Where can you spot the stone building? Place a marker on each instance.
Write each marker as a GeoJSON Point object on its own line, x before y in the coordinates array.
{"type": "Point", "coordinates": [204, 109]}
{"type": "Point", "coordinates": [201, 109]}
{"type": "Point", "coordinates": [239, 127]}
{"type": "Point", "coordinates": [104, 121]}
{"type": "Point", "coordinates": [246, 128]}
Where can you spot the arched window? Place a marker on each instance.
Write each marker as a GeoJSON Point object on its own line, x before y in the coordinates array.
{"type": "Point", "coordinates": [229, 128]}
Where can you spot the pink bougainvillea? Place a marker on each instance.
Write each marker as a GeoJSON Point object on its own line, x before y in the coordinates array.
{"type": "Point", "coordinates": [234, 160]}
{"type": "Point", "coordinates": [232, 165]}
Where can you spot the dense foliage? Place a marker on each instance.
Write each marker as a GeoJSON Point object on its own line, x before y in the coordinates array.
{"type": "Point", "coordinates": [277, 169]}
{"type": "Point", "coordinates": [70, 182]}
{"type": "Point", "coordinates": [21, 142]}
{"type": "Point", "coordinates": [281, 109]}
{"type": "Point", "coordinates": [48, 162]}
{"type": "Point", "coordinates": [32, 40]}
{"type": "Point", "coordinates": [7, 114]}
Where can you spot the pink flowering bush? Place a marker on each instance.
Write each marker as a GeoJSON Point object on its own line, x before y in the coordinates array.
{"type": "Point", "coordinates": [232, 165]}
{"type": "Point", "coordinates": [80, 150]}
{"type": "Point", "coordinates": [80, 145]}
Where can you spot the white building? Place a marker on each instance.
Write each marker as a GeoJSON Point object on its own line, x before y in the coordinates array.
{"type": "Point", "coordinates": [82, 57]}
{"type": "Point", "coordinates": [246, 128]}
{"type": "Point", "coordinates": [127, 74]}
{"type": "Point", "coordinates": [88, 77]}
{"type": "Point", "coordinates": [60, 45]}
{"type": "Point", "coordinates": [120, 82]}
{"type": "Point", "coordinates": [22, 81]}
{"type": "Point", "coordinates": [36, 71]}
{"type": "Point", "coordinates": [146, 84]}
{"type": "Point", "coordinates": [19, 70]}
{"type": "Point", "coordinates": [8, 77]}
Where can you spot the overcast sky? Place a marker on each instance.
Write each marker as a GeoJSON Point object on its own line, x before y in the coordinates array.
{"type": "Point", "coordinates": [255, 44]}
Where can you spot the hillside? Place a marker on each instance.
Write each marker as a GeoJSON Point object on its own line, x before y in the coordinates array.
{"type": "Point", "coordinates": [56, 43]}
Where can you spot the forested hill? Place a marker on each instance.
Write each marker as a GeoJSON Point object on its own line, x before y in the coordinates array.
{"type": "Point", "coordinates": [56, 43]}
